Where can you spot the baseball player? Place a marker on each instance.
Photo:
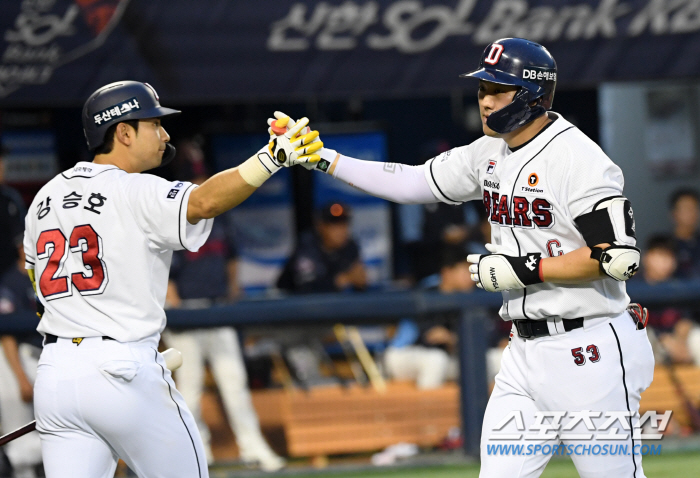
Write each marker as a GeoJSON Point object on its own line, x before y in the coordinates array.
{"type": "Point", "coordinates": [562, 245]}
{"type": "Point", "coordinates": [98, 241]}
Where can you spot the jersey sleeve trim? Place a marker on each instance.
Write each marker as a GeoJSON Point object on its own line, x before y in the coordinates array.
{"type": "Point", "coordinates": [192, 236]}
{"type": "Point", "coordinates": [180, 228]}
{"type": "Point", "coordinates": [436, 188]}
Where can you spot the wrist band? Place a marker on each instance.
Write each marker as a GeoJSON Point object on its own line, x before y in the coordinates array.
{"type": "Point", "coordinates": [254, 172]}
{"type": "Point", "coordinates": [327, 157]}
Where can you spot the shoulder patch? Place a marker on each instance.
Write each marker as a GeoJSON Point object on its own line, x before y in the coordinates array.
{"type": "Point", "coordinates": [172, 194]}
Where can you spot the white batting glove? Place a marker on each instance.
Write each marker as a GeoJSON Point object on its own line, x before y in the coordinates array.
{"type": "Point", "coordinates": [498, 272]}
{"type": "Point", "coordinates": [325, 155]}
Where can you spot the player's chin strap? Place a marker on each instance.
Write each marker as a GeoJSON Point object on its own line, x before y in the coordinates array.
{"type": "Point", "coordinates": [617, 261]}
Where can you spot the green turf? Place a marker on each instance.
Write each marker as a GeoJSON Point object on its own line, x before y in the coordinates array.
{"type": "Point", "coordinates": [664, 466]}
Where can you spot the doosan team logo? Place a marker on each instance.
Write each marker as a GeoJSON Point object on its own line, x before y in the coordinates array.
{"type": "Point", "coordinates": [41, 35]}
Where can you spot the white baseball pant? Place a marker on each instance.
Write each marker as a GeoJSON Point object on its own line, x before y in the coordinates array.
{"type": "Point", "coordinates": [541, 375]}
{"type": "Point", "coordinates": [101, 400]}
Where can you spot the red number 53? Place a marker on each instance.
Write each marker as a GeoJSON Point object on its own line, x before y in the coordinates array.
{"type": "Point", "coordinates": [580, 359]}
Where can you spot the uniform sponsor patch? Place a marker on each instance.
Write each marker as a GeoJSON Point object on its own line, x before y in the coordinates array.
{"type": "Point", "coordinates": [172, 194]}
{"type": "Point", "coordinates": [539, 74]}
{"type": "Point", "coordinates": [533, 179]}
{"type": "Point", "coordinates": [116, 111]}
{"type": "Point", "coordinates": [491, 167]}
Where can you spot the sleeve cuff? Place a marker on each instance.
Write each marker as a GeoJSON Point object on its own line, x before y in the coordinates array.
{"type": "Point", "coordinates": [192, 236]}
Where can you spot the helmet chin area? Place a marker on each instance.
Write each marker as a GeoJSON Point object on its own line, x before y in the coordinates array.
{"type": "Point", "coordinates": [515, 115]}
{"type": "Point", "coordinates": [168, 155]}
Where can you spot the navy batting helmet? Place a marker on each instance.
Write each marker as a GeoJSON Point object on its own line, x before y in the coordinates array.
{"type": "Point", "coordinates": [522, 63]}
{"type": "Point", "coordinates": [117, 102]}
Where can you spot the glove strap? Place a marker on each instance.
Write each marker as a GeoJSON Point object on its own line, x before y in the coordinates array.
{"type": "Point", "coordinates": [527, 268]}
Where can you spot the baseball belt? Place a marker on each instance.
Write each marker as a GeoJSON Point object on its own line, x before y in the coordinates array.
{"type": "Point", "coordinates": [531, 329]}
{"type": "Point", "coordinates": [52, 339]}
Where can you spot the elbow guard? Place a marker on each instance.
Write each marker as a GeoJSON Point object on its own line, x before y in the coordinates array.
{"type": "Point", "coordinates": [612, 222]}
{"type": "Point", "coordinates": [617, 261]}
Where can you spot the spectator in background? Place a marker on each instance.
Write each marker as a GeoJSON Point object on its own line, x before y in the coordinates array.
{"type": "Point", "coordinates": [327, 259]}
{"type": "Point", "coordinates": [685, 212]}
{"type": "Point", "coordinates": [672, 327]}
{"type": "Point", "coordinates": [18, 362]}
{"type": "Point", "coordinates": [199, 280]}
{"type": "Point", "coordinates": [12, 212]}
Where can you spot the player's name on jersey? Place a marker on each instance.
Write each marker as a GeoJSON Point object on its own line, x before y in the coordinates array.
{"type": "Point", "coordinates": [70, 201]}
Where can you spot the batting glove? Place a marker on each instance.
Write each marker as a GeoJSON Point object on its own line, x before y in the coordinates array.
{"type": "Point", "coordinates": [498, 272]}
{"type": "Point", "coordinates": [292, 147]}
{"type": "Point", "coordinates": [321, 161]}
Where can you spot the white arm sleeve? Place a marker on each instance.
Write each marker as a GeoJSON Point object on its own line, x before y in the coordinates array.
{"type": "Point", "coordinates": [391, 181]}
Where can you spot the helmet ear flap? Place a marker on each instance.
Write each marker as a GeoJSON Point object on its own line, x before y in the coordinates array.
{"type": "Point", "coordinates": [518, 113]}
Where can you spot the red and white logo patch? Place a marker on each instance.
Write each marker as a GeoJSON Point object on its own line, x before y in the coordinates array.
{"type": "Point", "coordinates": [491, 167]}
{"type": "Point", "coordinates": [494, 55]}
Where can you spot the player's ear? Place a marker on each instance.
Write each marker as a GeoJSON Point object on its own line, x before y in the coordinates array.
{"type": "Point", "coordinates": [124, 133]}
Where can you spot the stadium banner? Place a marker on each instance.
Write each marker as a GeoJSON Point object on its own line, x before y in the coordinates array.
{"type": "Point", "coordinates": [56, 52]}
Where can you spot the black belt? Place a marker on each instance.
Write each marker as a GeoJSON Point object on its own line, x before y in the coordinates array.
{"type": "Point", "coordinates": [531, 329]}
{"type": "Point", "coordinates": [52, 339]}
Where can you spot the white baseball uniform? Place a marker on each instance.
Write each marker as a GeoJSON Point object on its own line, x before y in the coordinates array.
{"type": "Point", "coordinates": [100, 241]}
{"type": "Point", "coordinates": [533, 196]}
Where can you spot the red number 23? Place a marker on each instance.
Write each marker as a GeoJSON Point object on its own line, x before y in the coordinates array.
{"type": "Point", "coordinates": [85, 241]}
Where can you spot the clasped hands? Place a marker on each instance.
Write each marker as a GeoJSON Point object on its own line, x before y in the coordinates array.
{"type": "Point", "coordinates": [297, 145]}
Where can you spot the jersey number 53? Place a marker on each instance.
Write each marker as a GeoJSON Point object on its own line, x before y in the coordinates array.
{"type": "Point", "coordinates": [52, 244]}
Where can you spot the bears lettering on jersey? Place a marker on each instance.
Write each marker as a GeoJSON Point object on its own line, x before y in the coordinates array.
{"type": "Point", "coordinates": [525, 212]}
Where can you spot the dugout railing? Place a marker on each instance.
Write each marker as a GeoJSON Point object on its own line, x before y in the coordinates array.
{"type": "Point", "coordinates": [381, 307]}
